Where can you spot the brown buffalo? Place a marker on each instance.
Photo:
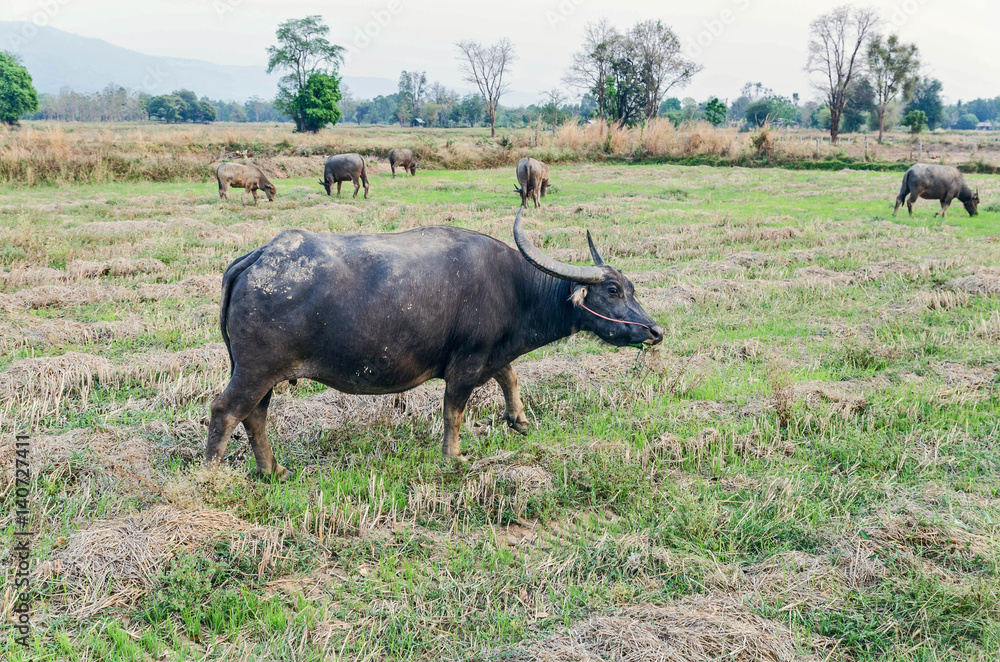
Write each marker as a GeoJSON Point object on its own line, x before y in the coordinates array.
{"type": "Point", "coordinates": [533, 177]}
{"type": "Point", "coordinates": [250, 178]}
{"type": "Point", "coordinates": [404, 159]}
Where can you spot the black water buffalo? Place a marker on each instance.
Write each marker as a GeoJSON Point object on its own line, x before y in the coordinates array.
{"type": "Point", "coordinates": [382, 313]}
{"type": "Point", "coordinates": [345, 167]}
{"type": "Point", "coordinates": [533, 177]}
{"type": "Point", "coordinates": [250, 178]}
{"type": "Point", "coordinates": [404, 159]}
{"type": "Point", "coordinates": [936, 182]}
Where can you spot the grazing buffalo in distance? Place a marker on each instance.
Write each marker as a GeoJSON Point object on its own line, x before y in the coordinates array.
{"type": "Point", "coordinates": [404, 159]}
{"type": "Point", "coordinates": [533, 177]}
{"type": "Point", "coordinates": [345, 167]}
{"type": "Point", "coordinates": [936, 182]}
{"type": "Point", "coordinates": [382, 313]}
{"type": "Point", "coordinates": [250, 178]}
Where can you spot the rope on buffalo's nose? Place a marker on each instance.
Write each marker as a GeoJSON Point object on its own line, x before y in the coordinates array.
{"type": "Point", "coordinates": [610, 319]}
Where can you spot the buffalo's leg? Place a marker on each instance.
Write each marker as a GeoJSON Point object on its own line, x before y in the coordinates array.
{"type": "Point", "coordinates": [899, 201]}
{"type": "Point", "coordinates": [524, 198]}
{"type": "Point", "coordinates": [944, 207]}
{"type": "Point", "coordinates": [224, 193]}
{"type": "Point", "coordinates": [230, 408]}
{"type": "Point", "coordinates": [909, 203]}
{"type": "Point", "coordinates": [393, 166]}
{"type": "Point", "coordinates": [413, 171]}
{"type": "Point", "coordinates": [534, 196]}
{"type": "Point", "coordinates": [455, 399]}
{"type": "Point", "coordinates": [338, 188]}
{"type": "Point", "coordinates": [514, 408]}
{"type": "Point", "coordinates": [256, 426]}
{"type": "Point", "coordinates": [357, 185]}
{"type": "Point", "coordinates": [254, 191]}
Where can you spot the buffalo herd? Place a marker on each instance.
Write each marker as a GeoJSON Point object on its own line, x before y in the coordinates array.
{"type": "Point", "coordinates": [383, 313]}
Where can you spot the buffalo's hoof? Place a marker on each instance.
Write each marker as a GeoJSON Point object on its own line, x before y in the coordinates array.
{"type": "Point", "coordinates": [519, 424]}
{"type": "Point", "coordinates": [282, 475]}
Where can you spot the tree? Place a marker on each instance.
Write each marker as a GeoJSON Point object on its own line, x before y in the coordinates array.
{"type": "Point", "coordinates": [485, 66]}
{"type": "Point", "coordinates": [967, 122]}
{"type": "Point", "coordinates": [167, 107]}
{"type": "Point", "coordinates": [927, 97]}
{"type": "Point", "coordinates": [715, 111]}
{"type": "Point", "coordinates": [916, 120]}
{"type": "Point", "coordinates": [411, 92]}
{"type": "Point", "coordinates": [304, 51]}
{"type": "Point", "coordinates": [836, 40]}
{"type": "Point", "coordinates": [17, 93]}
{"type": "Point", "coordinates": [769, 109]}
{"type": "Point", "coordinates": [590, 67]}
{"type": "Point", "coordinates": [315, 105]}
{"type": "Point", "coordinates": [892, 68]}
{"type": "Point", "coordinates": [860, 106]}
{"type": "Point", "coordinates": [550, 111]}
{"type": "Point", "coordinates": [659, 62]}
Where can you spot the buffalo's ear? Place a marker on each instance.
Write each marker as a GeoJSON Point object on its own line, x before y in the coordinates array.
{"type": "Point", "coordinates": [593, 250]}
{"type": "Point", "coordinates": [579, 294]}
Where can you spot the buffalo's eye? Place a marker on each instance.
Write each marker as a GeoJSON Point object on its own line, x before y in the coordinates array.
{"type": "Point", "coordinates": [613, 291]}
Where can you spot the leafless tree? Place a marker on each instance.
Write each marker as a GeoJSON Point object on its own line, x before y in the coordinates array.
{"type": "Point", "coordinates": [485, 66]}
{"type": "Point", "coordinates": [836, 40]}
{"type": "Point", "coordinates": [590, 67]}
{"type": "Point", "coordinates": [656, 51]}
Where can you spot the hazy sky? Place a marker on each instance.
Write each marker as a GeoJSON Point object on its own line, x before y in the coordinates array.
{"type": "Point", "coordinates": [736, 40]}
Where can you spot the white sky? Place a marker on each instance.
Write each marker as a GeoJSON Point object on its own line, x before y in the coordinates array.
{"type": "Point", "coordinates": [761, 40]}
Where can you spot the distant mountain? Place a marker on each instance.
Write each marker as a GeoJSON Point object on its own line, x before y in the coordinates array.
{"type": "Point", "coordinates": [57, 59]}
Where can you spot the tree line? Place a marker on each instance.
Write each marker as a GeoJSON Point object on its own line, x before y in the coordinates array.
{"type": "Point", "coordinates": [866, 81]}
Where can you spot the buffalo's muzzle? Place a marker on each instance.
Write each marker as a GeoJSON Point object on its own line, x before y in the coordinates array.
{"type": "Point", "coordinates": [657, 332]}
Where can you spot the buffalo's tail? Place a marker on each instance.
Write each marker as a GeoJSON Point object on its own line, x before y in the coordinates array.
{"type": "Point", "coordinates": [364, 171]}
{"type": "Point", "coordinates": [233, 272]}
{"type": "Point", "coordinates": [904, 190]}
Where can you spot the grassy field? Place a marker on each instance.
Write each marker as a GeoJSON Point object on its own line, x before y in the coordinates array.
{"type": "Point", "coordinates": [806, 469]}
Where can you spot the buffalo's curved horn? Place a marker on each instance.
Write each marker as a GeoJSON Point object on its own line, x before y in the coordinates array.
{"type": "Point", "coordinates": [593, 251]}
{"type": "Point", "coordinates": [544, 263]}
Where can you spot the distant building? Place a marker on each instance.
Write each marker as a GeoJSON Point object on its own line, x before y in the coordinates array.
{"type": "Point", "coordinates": [984, 126]}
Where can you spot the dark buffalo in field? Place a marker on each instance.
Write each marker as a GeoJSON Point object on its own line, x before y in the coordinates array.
{"type": "Point", "coordinates": [533, 177]}
{"type": "Point", "coordinates": [936, 182]}
{"type": "Point", "coordinates": [250, 178]}
{"type": "Point", "coordinates": [342, 168]}
{"type": "Point", "coordinates": [404, 159]}
{"type": "Point", "coordinates": [383, 313]}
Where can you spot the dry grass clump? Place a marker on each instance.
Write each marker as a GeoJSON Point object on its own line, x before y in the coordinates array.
{"type": "Point", "coordinates": [942, 299]}
{"type": "Point", "coordinates": [203, 487]}
{"type": "Point", "coordinates": [36, 387]}
{"type": "Point", "coordinates": [711, 626]}
{"type": "Point", "coordinates": [22, 276]}
{"type": "Point", "coordinates": [121, 227]}
{"type": "Point", "coordinates": [985, 282]}
{"type": "Point", "coordinates": [119, 266]}
{"type": "Point", "coordinates": [63, 296]}
{"type": "Point", "coordinates": [835, 396]}
{"type": "Point", "coordinates": [62, 331]}
{"type": "Point", "coordinates": [498, 484]}
{"type": "Point", "coordinates": [96, 451]}
{"type": "Point", "coordinates": [203, 286]}
{"type": "Point", "coordinates": [115, 563]}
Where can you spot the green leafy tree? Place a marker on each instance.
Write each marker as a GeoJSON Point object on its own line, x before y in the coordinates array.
{"type": "Point", "coordinates": [860, 106]}
{"type": "Point", "coordinates": [927, 97]}
{"type": "Point", "coordinates": [303, 50]}
{"type": "Point", "coordinates": [315, 105]}
{"type": "Point", "coordinates": [893, 70]}
{"type": "Point", "coordinates": [715, 111]}
{"type": "Point", "coordinates": [167, 108]}
{"type": "Point", "coordinates": [967, 122]}
{"type": "Point", "coordinates": [770, 109]}
{"type": "Point", "coordinates": [916, 120]}
{"type": "Point", "coordinates": [17, 93]}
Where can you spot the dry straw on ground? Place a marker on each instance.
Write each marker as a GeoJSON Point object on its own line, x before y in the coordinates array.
{"type": "Point", "coordinates": [115, 563]}
{"type": "Point", "coordinates": [711, 626]}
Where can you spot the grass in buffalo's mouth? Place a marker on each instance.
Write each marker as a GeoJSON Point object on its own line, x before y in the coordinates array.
{"type": "Point", "coordinates": [804, 469]}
